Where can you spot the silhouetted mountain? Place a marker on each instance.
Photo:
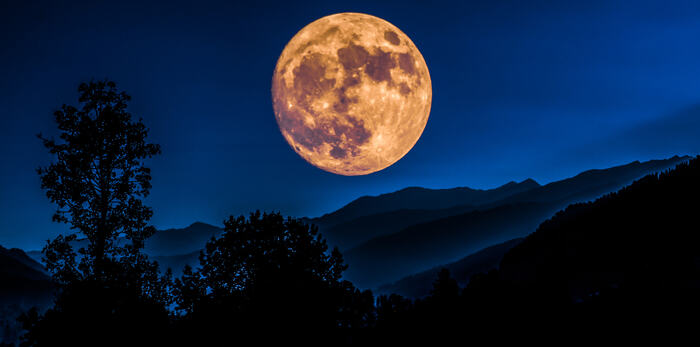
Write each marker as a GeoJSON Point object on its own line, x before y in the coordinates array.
{"type": "Point", "coordinates": [640, 241]}
{"type": "Point", "coordinates": [592, 184]}
{"type": "Point", "coordinates": [350, 234]}
{"type": "Point", "coordinates": [21, 257]}
{"type": "Point", "coordinates": [172, 242]}
{"type": "Point", "coordinates": [417, 198]}
{"type": "Point", "coordinates": [23, 284]}
{"type": "Point", "coordinates": [356, 222]}
{"type": "Point", "coordinates": [628, 259]}
{"type": "Point", "coordinates": [420, 247]}
{"type": "Point", "coordinates": [19, 274]}
{"type": "Point", "coordinates": [423, 246]}
{"type": "Point", "coordinates": [419, 285]}
{"type": "Point", "coordinates": [170, 247]}
{"type": "Point", "coordinates": [423, 205]}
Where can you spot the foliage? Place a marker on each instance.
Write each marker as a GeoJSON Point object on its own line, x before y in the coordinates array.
{"type": "Point", "coordinates": [127, 304]}
{"type": "Point", "coordinates": [268, 271]}
{"type": "Point", "coordinates": [98, 182]}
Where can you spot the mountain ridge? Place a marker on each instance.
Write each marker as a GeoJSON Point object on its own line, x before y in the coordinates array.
{"type": "Point", "coordinates": [385, 258]}
{"type": "Point", "coordinates": [372, 239]}
{"type": "Point", "coordinates": [426, 199]}
{"type": "Point", "coordinates": [420, 284]}
{"type": "Point", "coordinates": [187, 240]}
{"type": "Point", "coordinates": [635, 245]}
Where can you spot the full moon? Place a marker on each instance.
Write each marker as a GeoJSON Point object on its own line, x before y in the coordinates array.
{"type": "Point", "coordinates": [351, 93]}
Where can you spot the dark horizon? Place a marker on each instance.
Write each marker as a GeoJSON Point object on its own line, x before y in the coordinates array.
{"type": "Point", "coordinates": [542, 90]}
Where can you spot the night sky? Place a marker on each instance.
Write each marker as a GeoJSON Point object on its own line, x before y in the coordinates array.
{"type": "Point", "coordinates": [540, 89]}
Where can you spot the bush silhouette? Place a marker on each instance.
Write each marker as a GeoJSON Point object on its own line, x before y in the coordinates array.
{"type": "Point", "coordinates": [270, 273]}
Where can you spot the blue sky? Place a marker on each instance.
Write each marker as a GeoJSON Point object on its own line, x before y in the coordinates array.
{"type": "Point", "coordinates": [521, 89]}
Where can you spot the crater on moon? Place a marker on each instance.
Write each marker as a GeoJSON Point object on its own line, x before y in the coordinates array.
{"type": "Point", "coordinates": [351, 93]}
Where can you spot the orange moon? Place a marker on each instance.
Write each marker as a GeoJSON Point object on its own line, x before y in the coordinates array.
{"type": "Point", "coordinates": [351, 93]}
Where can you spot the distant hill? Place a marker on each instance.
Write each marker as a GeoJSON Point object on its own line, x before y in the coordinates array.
{"type": "Point", "coordinates": [417, 198]}
{"type": "Point", "coordinates": [591, 184]}
{"type": "Point", "coordinates": [172, 242]}
{"type": "Point", "coordinates": [19, 256]}
{"type": "Point", "coordinates": [419, 285]}
{"type": "Point", "coordinates": [23, 284]}
{"type": "Point", "coordinates": [394, 235]}
{"type": "Point", "coordinates": [423, 246]}
{"type": "Point", "coordinates": [424, 205]}
{"type": "Point", "coordinates": [370, 217]}
{"type": "Point", "coordinates": [636, 247]}
{"type": "Point", "coordinates": [19, 274]}
{"type": "Point", "coordinates": [350, 234]}
{"type": "Point", "coordinates": [170, 247]}
{"type": "Point", "coordinates": [419, 247]}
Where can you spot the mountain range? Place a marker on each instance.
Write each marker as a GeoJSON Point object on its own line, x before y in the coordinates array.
{"type": "Point", "coordinates": [23, 284]}
{"type": "Point", "coordinates": [633, 252]}
{"type": "Point", "coordinates": [172, 248]}
{"type": "Point", "coordinates": [397, 242]}
{"type": "Point", "coordinates": [387, 237]}
{"type": "Point", "coordinates": [445, 235]}
{"type": "Point", "coordinates": [419, 285]}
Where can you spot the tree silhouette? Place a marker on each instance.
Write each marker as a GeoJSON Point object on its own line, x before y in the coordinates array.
{"type": "Point", "coordinates": [98, 182]}
{"type": "Point", "coordinates": [445, 288]}
{"type": "Point", "coordinates": [268, 272]}
{"type": "Point", "coordinates": [393, 311]}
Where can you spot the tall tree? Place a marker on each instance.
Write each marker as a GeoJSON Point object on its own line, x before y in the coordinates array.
{"type": "Point", "coordinates": [99, 180]}
{"type": "Point", "coordinates": [109, 288]}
